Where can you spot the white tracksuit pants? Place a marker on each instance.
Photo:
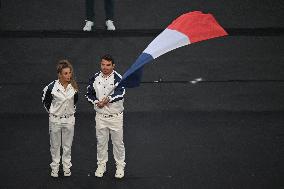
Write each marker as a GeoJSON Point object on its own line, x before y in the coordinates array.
{"type": "Point", "coordinates": [110, 126]}
{"type": "Point", "coordinates": [61, 132]}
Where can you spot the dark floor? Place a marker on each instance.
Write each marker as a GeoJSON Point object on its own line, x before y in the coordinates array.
{"type": "Point", "coordinates": [164, 150]}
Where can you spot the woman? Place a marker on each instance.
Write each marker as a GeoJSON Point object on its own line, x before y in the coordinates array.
{"type": "Point", "coordinates": [59, 99]}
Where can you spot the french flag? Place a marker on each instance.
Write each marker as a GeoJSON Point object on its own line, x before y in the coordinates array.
{"type": "Point", "coordinates": [187, 29]}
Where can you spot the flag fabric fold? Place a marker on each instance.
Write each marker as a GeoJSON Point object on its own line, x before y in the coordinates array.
{"type": "Point", "coordinates": [186, 29]}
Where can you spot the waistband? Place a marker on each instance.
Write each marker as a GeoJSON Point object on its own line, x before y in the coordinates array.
{"type": "Point", "coordinates": [109, 115]}
{"type": "Point", "coordinates": [62, 116]}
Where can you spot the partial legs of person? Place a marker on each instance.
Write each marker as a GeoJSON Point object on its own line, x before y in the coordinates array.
{"type": "Point", "coordinates": [55, 144]}
{"type": "Point", "coordinates": [118, 151]}
{"type": "Point", "coordinates": [109, 11]}
{"type": "Point", "coordinates": [67, 138]}
{"type": "Point", "coordinates": [102, 150]}
{"type": "Point", "coordinates": [90, 15]}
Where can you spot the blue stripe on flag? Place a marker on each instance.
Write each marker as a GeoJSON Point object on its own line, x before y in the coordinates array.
{"type": "Point", "coordinates": [133, 75]}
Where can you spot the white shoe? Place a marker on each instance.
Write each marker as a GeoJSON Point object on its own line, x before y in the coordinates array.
{"type": "Point", "coordinates": [119, 171]}
{"type": "Point", "coordinates": [101, 169]}
{"type": "Point", "coordinates": [67, 172]}
{"type": "Point", "coordinates": [88, 26]}
{"type": "Point", "coordinates": [54, 173]}
{"type": "Point", "coordinates": [110, 25]}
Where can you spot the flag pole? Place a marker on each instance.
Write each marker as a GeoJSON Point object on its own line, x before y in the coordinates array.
{"type": "Point", "coordinates": [112, 89]}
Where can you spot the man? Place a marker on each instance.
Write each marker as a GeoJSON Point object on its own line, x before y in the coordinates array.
{"type": "Point", "coordinates": [108, 6]}
{"type": "Point", "coordinates": [109, 115]}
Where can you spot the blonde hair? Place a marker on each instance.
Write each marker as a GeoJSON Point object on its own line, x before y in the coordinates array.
{"type": "Point", "coordinates": [66, 64]}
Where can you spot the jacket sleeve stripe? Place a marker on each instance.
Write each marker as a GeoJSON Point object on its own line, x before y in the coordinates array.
{"type": "Point", "coordinates": [91, 93]}
{"type": "Point", "coordinates": [119, 92]}
{"type": "Point", "coordinates": [47, 96]}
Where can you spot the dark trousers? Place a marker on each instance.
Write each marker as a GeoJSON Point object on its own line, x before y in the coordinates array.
{"type": "Point", "coordinates": [108, 5]}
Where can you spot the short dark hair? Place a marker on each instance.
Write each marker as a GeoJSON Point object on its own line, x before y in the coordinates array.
{"type": "Point", "coordinates": [108, 57]}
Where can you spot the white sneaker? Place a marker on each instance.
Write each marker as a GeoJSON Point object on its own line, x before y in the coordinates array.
{"type": "Point", "coordinates": [101, 169]}
{"type": "Point", "coordinates": [54, 173]}
{"type": "Point", "coordinates": [110, 25]}
{"type": "Point", "coordinates": [67, 172]}
{"type": "Point", "coordinates": [88, 26]}
{"type": "Point", "coordinates": [119, 171]}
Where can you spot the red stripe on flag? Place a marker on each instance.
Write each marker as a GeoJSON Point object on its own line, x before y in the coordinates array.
{"type": "Point", "coordinates": [198, 26]}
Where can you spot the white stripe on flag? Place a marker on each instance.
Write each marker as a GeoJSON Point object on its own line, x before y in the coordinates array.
{"type": "Point", "coordinates": [168, 40]}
